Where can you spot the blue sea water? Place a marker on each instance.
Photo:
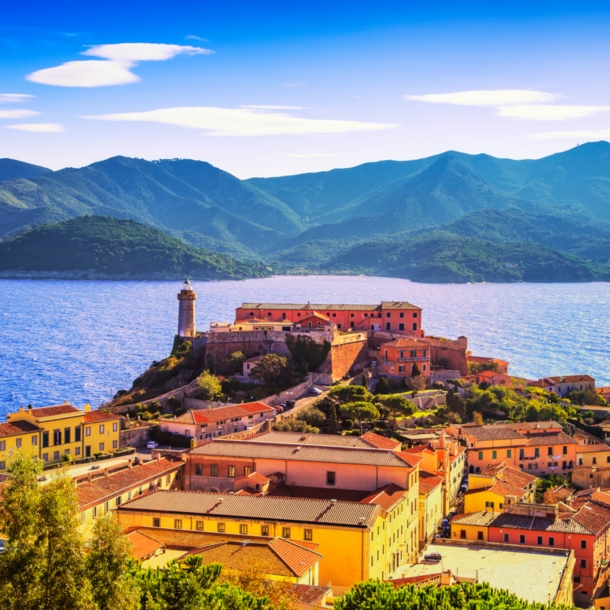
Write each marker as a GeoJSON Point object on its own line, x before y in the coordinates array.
{"type": "Point", "coordinates": [82, 341]}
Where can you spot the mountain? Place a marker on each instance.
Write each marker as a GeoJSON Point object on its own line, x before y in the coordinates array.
{"type": "Point", "coordinates": [101, 247]}
{"type": "Point", "coordinates": [173, 195]}
{"type": "Point", "coordinates": [11, 169]}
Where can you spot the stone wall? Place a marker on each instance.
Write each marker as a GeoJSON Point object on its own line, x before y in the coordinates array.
{"type": "Point", "coordinates": [449, 354]}
{"type": "Point", "coordinates": [136, 437]}
{"type": "Point", "coordinates": [348, 353]}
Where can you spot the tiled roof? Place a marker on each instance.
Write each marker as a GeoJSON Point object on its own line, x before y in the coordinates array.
{"type": "Point", "coordinates": [428, 482]}
{"type": "Point", "coordinates": [17, 427]}
{"type": "Point", "coordinates": [387, 497]}
{"type": "Point", "coordinates": [305, 438]}
{"type": "Point", "coordinates": [254, 477]}
{"type": "Point", "coordinates": [407, 343]}
{"type": "Point", "coordinates": [94, 416]}
{"type": "Point", "coordinates": [570, 378]}
{"type": "Point", "coordinates": [321, 493]}
{"type": "Point", "coordinates": [594, 515]}
{"type": "Point", "coordinates": [398, 305]}
{"type": "Point", "coordinates": [481, 518]}
{"type": "Point", "coordinates": [301, 453]}
{"type": "Point", "coordinates": [504, 489]}
{"type": "Point", "coordinates": [92, 493]}
{"type": "Point", "coordinates": [298, 558]}
{"type": "Point", "coordinates": [53, 411]}
{"type": "Point", "coordinates": [143, 546]}
{"type": "Point", "coordinates": [351, 514]}
{"type": "Point", "coordinates": [206, 416]}
{"type": "Point", "coordinates": [549, 438]}
{"type": "Point", "coordinates": [512, 476]}
{"type": "Point", "coordinates": [381, 442]}
{"type": "Point", "coordinates": [540, 524]}
{"type": "Point", "coordinates": [310, 595]}
{"type": "Point", "coordinates": [592, 448]}
{"type": "Point", "coordinates": [310, 306]}
{"type": "Point", "coordinates": [497, 432]}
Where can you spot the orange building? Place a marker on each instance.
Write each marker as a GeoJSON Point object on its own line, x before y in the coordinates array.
{"type": "Point", "coordinates": [401, 356]}
{"type": "Point", "coordinates": [390, 316]}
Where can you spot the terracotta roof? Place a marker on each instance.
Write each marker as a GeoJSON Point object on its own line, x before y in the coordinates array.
{"type": "Point", "coordinates": [387, 497]}
{"type": "Point", "coordinates": [295, 491]}
{"type": "Point", "coordinates": [592, 448]}
{"type": "Point", "coordinates": [489, 374]}
{"type": "Point", "coordinates": [604, 390]}
{"type": "Point", "coordinates": [504, 489]}
{"type": "Point", "coordinates": [381, 442]}
{"type": "Point", "coordinates": [306, 438]}
{"type": "Point", "coordinates": [53, 411]}
{"type": "Point", "coordinates": [301, 453]}
{"type": "Point", "coordinates": [92, 493]}
{"type": "Point", "coordinates": [428, 482]}
{"type": "Point", "coordinates": [407, 342]}
{"type": "Point", "coordinates": [298, 558]}
{"type": "Point", "coordinates": [330, 306]}
{"type": "Point", "coordinates": [420, 579]}
{"type": "Point", "coordinates": [143, 546]}
{"type": "Point", "coordinates": [570, 378]}
{"type": "Point", "coordinates": [481, 518]}
{"type": "Point", "coordinates": [206, 416]}
{"type": "Point", "coordinates": [549, 438]}
{"type": "Point", "coordinates": [95, 416]}
{"type": "Point", "coordinates": [310, 595]}
{"type": "Point", "coordinates": [350, 514]}
{"type": "Point", "coordinates": [17, 427]}
{"type": "Point", "coordinates": [512, 476]}
{"type": "Point", "coordinates": [496, 432]}
{"type": "Point", "coordinates": [255, 477]}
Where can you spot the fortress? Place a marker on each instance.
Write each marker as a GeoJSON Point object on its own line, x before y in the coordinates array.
{"type": "Point", "coordinates": [390, 334]}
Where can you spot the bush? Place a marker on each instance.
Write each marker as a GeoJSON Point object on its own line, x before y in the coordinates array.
{"type": "Point", "coordinates": [209, 386]}
{"type": "Point", "coordinates": [173, 403]}
{"type": "Point", "coordinates": [314, 417]}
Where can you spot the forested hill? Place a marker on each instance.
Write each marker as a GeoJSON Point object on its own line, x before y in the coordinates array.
{"type": "Point", "coordinates": [100, 247]}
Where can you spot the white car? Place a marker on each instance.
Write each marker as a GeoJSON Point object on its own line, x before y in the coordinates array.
{"type": "Point", "coordinates": [316, 391]}
{"type": "Point", "coordinates": [152, 445]}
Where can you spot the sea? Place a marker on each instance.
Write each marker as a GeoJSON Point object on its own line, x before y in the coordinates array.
{"type": "Point", "coordinates": [82, 341]}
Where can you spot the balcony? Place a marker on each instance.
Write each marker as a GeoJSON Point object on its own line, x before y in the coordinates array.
{"type": "Point", "coordinates": [417, 359]}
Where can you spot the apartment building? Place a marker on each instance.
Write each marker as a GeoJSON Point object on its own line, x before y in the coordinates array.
{"type": "Point", "coordinates": [404, 357]}
{"type": "Point", "coordinates": [592, 467]}
{"type": "Point", "coordinates": [563, 385]}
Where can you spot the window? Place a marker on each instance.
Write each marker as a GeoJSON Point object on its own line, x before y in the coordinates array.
{"type": "Point", "coordinates": [480, 536]}
{"type": "Point", "coordinates": [95, 514]}
{"type": "Point", "coordinates": [45, 457]}
{"type": "Point", "coordinates": [247, 470]}
{"type": "Point", "coordinates": [565, 451]}
{"type": "Point", "coordinates": [595, 460]}
{"type": "Point", "coordinates": [489, 504]}
{"type": "Point", "coordinates": [156, 522]}
{"type": "Point", "coordinates": [115, 444]}
{"type": "Point", "coordinates": [388, 315]}
{"type": "Point", "coordinates": [506, 538]}
{"type": "Point", "coordinates": [199, 526]}
{"type": "Point", "coordinates": [285, 532]}
{"type": "Point", "coordinates": [463, 534]}
{"type": "Point", "coordinates": [550, 451]}
{"type": "Point", "coordinates": [539, 540]}
{"type": "Point", "coordinates": [494, 455]}
{"type": "Point", "coordinates": [67, 435]}
{"type": "Point", "coordinates": [388, 326]}
{"type": "Point", "coordinates": [57, 437]}
{"type": "Point", "coordinates": [18, 443]}
{"type": "Point", "coordinates": [214, 470]}
{"type": "Point", "coordinates": [177, 524]}
{"type": "Point", "coordinates": [509, 453]}
{"type": "Point", "coordinates": [118, 501]}
{"type": "Point", "coordinates": [576, 579]}
{"type": "Point", "coordinates": [168, 479]}
{"type": "Point", "coordinates": [522, 539]}
{"type": "Point", "coordinates": [101, 446]}
{"type": "Point", "coordinates": [231, 471]}
{"type": "Point", "coordinates": [106, 507]}
{"type": "Point", "coordinates": [401, 326]}
{"type": "Point", "coordinates": [88, 431]}
{"type": "Point", "coordinates": [264, 530]}
{"type": "Point", "coordinates": [67, 451]}
{"type": "Point", "coordinates": [583, 563]}
{"type": "Point", "coordinates": [198, 470]}
{"type": "Point", "coordinates": [2, 465]}
{"type": "Point", "coordinates": [129, 494]}
{"type": "Point", "coordinates": [583, 544]}
{"type": "Point", "coordinates": [480, 455]}
{"type": "Point", "coordinates": [115, 426]}
{"type": "Point", "coordinates": [101, 428]}
{"type": "Point", "coordinates": [77, 434]}
{"type": "Point", "coordinates": [220, 528]}
{"type": "Point", "coordinates": [243, 529]}
{"type": "Point", "coordinates": [551, 541]}
{"type": "Point", "coordinates": [401, 368]}
{"type": "Point", "coordinates": [521, 454]}
{"type": "Point", "coordinates": [330, 477]}
{"type": "Point", "coordinates": [414, 325]}
{"type": "Point", "coordinates": [34, 441]}
{"type": "Point", "coordinates": [55, 455]}
{"type": "Point", "coordinates": [308, 535]}
{"type": "Point", "coordinates": [536, 452]}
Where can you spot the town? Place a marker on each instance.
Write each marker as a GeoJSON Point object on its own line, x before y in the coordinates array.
{"type": "Point", "coordinates": [336, 444]}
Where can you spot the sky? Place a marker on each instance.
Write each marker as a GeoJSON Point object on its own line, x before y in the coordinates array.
{"type": "Point", "coordinates": [274, 88]}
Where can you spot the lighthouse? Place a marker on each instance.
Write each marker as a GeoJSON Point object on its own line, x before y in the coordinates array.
{"type": "Point", "coordinates": [186, 310]}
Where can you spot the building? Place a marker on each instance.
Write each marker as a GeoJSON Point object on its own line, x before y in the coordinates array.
{"type": "Point", "coordinates": [536, 447]}
{"type": "Point", "coordinates": [582, 528]}
{"type": "Point", "coordinates": [392, 316]}
{"type": "Point", "coordinates": [186, 311]}
{"type": "Point", "coordinates": [562, 386]}
{"type": "Point", "coordinates": [205, 424]}
{"type": "Point", "coordinates": [249, 364]}
{"type": "Point", "coordinates": [101, 491]}
{"type": "Point", "coordinates": [62, 430]}
{"type": "Point", "coordinates": [497, 487]}
{"type": "Point", "coordinates": [493, 378]}
{"type": "Point", "coordinates": [604, 392]}
{"type": "Point", "coordinates": [18, 436]}
{"type": "Point", "coordinates": [404, 357]}
{"type": "Point", "coordinates": [492, 364]}
{"type": "Point", "coordinates": [369, 440]}
{"type": "Point", "coordinates": [592, 467]}
{"type": "Point", "coordinates": [355, 539]}
{"type": "Point", "coordinates": [430, 506]}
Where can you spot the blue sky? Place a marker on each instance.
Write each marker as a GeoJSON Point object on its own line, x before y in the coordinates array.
{"type": "Point", "coordinates": [274, 88]}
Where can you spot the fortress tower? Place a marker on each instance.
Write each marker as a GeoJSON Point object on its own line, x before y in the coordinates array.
{"type": "Point", "coordinates": [186, 310]}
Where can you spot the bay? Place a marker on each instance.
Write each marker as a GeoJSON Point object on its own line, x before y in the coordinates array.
{"type": "Point", "coordinates": [81, 341]}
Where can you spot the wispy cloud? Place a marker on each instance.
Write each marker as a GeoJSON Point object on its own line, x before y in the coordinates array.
{"type": "Point", "coordinates": [17, 113]}
{"type": "Point", "coordinates": [309, 155]}
{"type": "Point", "coordinates": [14, 98]}
{"type": "Point", "coordinates": [296, 84]}
{"type": "Point", "coordinates": [267, 107]}
{"type": "Point", "coordinates": [244, 122]}
{"type": "Point", "coordinates": [115, 66]}
{"type": "Point", "coordinates": [601, 134]}
{"type": "Point", "coordinates": [546, 112]}
{"type": "Point", "coordinates": [198, 38]}
{"type": "Point", "coordinates": [37, 127]}
{"type": "Point", "coordinates": [493, 97]}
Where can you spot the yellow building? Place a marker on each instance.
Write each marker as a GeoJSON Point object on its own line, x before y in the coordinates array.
{"type": "Point", "coordinates": [430, 506]}
{"type": "Point", "coordinates": [473, 526]}
{"type": "Point", "coordinates": [592, 466]}
{"type": "Point", "coordinates": [64, 430]}
{"type": "Point", "coordinates": [357, 540]}
{"type": "Point", "coordinates": [17, 436]}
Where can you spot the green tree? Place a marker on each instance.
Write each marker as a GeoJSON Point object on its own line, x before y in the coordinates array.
{"type": "Point", "coordinates": [349, 393]}
{"type": "Point", "coordinates": [383, 387]}
{"type": "Point", "coordinates": [417, 383]}
{"type": "Point", "coordinates": [586, 397]}
{"type": "Point", "coordinates": [314, 417]}
{"type": "Point", "coordinates": [295, 425]}
{"type": "Point", "coordinates": [271, 370]}
{"type": "Point", "coordinates": [332, 420]}
{"type": "Point", "coordinates": [209, 386]}
{"type": "Point", "coordinates": [477, 418]}
{"type": "Point", "coordinates": [235, 362]}
{"type": "Point", "coordinates": [397, 406]}
{"type": "Point", "coordinates": [107, 564]}
{"type": "Point", "coordinates": [364, 382]}
{"type": "Point", "coordinates": [361, 411]}
{"type": "Point", "coordinates": [415, 372]}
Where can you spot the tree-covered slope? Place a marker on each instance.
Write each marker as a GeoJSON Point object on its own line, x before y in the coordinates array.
{"type": "Point", "coordinates": [10, 169]}
{"type": "Point", "coordinates": [95, 246]}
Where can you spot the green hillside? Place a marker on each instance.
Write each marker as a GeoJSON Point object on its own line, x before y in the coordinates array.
{"type": "Point", "coordinates": [10, 169]}
{"type": "Point", "coordinates": [103, 247]}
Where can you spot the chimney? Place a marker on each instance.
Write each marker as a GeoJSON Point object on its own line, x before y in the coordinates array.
{"type": "Point", "coordinates": [87, 407]}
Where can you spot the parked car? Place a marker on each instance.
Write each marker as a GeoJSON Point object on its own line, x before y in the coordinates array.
{"type": "Point", "coordinates": [315, 391]}
{"type": "Point", "coordinates": [152, 445]}
{"type": "Point", "coordinates": [435, 557]}
{"type": "Point", "coordinates": [290, 404]}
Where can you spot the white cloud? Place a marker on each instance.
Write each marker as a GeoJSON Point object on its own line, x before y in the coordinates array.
{"type": "Point", "coordinates": [198, 38]}
{"type": "Point", "coordinates": [142, 51]}
{"type": "Point", "coordinates": [310, 155]}
{"type": "Point", "coordinates": [599, 134]}
{"type": "Point", "coordinates": [297, 84]}
{"type": "Point", "coordinates": [266, 107]}
{"type": "Point", "coordinates": [243, 122]}
{"type": "Point", "coordinates": [14, 98]}
{"type": "Point", "coordinates": [547, 112]}
{"type": "Point", "coordinates": [37, 127]}
{"type": "Point", "coordinates": [115, 66]}
{"type": "Point", "coordinates": [497, 97]}
{"type": "Point", "coordinates": [16, 114]}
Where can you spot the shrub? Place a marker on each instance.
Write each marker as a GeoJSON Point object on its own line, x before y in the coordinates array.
{"type": "Point", "coordinates": [209, 386]}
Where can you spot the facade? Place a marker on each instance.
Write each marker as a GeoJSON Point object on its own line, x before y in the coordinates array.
{"type": "Point", "coordinates": [562, 386]}
{"type": "Point", "coordinates": [249, 364]}
{"type": "Point", "coordinates": [592, 467]}
{"type": "Point", "coordinates": [493, 378]}
{"type": "Point", "coordinates": [393, 316]}
{"type": "Point", "coordinates": [430, 506]}
{"type": "Point", "coordinates": [205, 424]}
{"type": "Point", "coordinates": [64, 430]}
{"type": "Point", "coordinates": [401, 356]}
{"type": "Point", "coordinates": [186, 311]}
{"type": "Point", "coordinates": [537, 447]}
{"type": "Point", "coordinates": [18, 436]}
{"type": "Point", "coordinates": [500, 365]}
{"type": "Point", "coordinates": [604, 392]}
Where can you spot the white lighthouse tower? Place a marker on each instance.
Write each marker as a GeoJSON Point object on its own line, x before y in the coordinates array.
{"type": "Point", "coordinates": [186, 310]}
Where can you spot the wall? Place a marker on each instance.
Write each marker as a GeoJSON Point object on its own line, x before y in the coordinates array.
{"type": "Point", "coordinates": [346, 353]}
{"type": "Point", "coordinates": [449, 354]}
{"type": "Point", "coordinates": [136, 437]}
